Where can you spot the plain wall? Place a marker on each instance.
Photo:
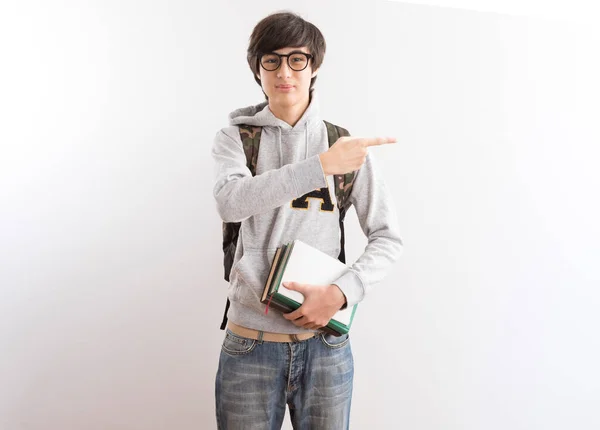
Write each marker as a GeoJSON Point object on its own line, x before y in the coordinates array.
{"type": "Point", "coordinates": [111, 278]}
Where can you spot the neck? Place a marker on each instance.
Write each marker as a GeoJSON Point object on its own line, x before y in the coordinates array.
{"type": "Point", "coordinates": [290, 113]}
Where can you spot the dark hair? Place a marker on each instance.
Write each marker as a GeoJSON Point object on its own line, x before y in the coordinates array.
{"type": "Point", "coordinates": [280, 30]}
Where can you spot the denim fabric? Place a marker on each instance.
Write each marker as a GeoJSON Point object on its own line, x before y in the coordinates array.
{"type": "Point", "coordinates": [256, 380]}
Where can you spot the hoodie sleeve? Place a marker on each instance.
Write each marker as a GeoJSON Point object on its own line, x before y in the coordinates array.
{"type": "Point", "coordinates": [377, 217]}
{"type": "Point", "coordinates": [239, 195]}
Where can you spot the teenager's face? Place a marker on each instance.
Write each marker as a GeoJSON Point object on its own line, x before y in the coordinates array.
{"type": "Point", "coordinates": [285, 86]}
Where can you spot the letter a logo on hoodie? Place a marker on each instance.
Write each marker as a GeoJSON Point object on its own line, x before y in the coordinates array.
{"type": "Point", "coordinates": [321, 194]}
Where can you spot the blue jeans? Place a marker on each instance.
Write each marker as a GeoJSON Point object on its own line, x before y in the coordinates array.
{"type": "Point", "coordinates": [256, 380]}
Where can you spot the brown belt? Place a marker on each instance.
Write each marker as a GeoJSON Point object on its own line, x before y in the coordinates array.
{"type": "Point", "coordinates": [267, 336]}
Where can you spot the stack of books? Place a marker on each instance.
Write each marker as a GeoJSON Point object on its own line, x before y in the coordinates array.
{"type": "Point", "coordinates": [304, 264]}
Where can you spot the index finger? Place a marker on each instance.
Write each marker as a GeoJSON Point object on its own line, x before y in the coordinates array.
{"type": "Point", "coordinates": [374, 141]}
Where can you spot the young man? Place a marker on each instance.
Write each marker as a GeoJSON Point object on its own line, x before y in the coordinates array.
{"type": "Point", "coordinates": [270, 360]}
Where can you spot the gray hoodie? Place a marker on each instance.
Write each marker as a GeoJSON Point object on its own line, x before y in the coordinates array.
{"type": "Point", "coordinates": [288, 168]}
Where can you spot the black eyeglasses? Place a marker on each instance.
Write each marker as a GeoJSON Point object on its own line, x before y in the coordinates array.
{"type": "Point", "coordinates": [296, 60]}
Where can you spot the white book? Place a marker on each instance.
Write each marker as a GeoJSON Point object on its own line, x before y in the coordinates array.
{"type": "Point", "coordinates": [309, 265]}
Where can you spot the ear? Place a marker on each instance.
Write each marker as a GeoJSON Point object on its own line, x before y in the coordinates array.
{"type": "Point", "coordinates": [314, 73]}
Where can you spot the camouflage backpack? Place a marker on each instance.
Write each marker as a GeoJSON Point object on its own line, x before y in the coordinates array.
{"type": "Point", "coordinates": [250, 136]}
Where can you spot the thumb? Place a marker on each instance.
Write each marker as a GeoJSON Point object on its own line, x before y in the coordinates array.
{"type": "Point", "coordinates": [294, 286]}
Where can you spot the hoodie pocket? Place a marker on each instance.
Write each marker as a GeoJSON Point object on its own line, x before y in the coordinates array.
{"type": "Point", "coordinates": [250, 274]}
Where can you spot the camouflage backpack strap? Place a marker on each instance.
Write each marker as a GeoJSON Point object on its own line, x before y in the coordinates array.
{"type": "Point", "coordinates": [250, 136]}
{"type": "Point", "coordinates": [343, 183]}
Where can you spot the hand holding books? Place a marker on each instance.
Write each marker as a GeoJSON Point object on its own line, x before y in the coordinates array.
{"type": "Point", "coordinates": [321, 302]}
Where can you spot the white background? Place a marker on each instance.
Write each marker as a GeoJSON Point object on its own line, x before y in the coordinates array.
{"type": "Point", "coordinates": [111, 286]}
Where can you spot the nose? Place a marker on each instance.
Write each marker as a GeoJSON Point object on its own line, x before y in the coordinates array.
{"type": "Point", "coordinates": [284, 69]}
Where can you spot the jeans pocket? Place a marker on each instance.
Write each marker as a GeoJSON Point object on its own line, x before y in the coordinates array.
{"type": "Point", "coordinates": [334, 342]}
{"type": "Point", "coordinates": [237, 345]}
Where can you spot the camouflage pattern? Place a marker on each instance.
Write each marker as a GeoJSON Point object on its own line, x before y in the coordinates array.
{"type": "Point", "coordinates": [230, 237]}
{"type": "Point", "coordinates": [250, 136]}
{"type": "Point", "coordinates": [343, 183]}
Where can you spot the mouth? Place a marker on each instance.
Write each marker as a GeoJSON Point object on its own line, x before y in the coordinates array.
{"type": "Point", "coordinates": [285, 87]}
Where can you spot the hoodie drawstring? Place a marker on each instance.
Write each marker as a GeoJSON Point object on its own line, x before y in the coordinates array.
{"type": "Point", "coordinates": [305, 140]}
{"type": "Point", "coordinates": [280, 148]}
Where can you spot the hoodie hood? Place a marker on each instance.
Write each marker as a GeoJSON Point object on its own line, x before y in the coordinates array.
{"type": "Point", "coordinates": [261, 115]}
